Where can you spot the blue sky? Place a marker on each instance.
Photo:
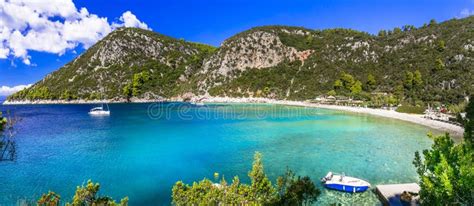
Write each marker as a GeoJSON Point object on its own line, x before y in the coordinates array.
{"type": "Point", "coordinates": [213, 21]}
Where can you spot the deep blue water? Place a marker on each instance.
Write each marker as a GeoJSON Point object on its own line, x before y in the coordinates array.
{"type": "Point", "coordinates": [141, 154]}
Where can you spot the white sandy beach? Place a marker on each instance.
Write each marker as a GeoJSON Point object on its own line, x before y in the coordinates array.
{"type": "Point", "coordinates": [414, 118]}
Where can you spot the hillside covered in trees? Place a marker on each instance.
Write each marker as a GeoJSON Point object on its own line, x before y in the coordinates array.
{"type": "Point", "coordinates": [432, 63]}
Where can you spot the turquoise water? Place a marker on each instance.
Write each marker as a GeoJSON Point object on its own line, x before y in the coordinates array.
{"type": "Point", "coordinates": [142, 149]}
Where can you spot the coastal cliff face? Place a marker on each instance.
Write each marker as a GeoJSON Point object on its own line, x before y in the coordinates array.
{"type": "Point", "coordinates": [432, 63]}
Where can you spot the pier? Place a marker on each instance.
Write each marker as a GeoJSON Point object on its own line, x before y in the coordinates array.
{"type": "Point", "coordinates": [390, 194]}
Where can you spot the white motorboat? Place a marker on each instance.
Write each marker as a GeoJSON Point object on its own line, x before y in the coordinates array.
{"type": "Point", "coordinates": [344, 183]}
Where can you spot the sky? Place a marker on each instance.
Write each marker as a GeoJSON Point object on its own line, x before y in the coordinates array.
{"type": "Point", "coordinates": [37, 38]}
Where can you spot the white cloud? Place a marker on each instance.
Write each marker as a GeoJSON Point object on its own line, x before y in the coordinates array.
{"type": "Point", "coordinates": [5, 90]}
{"type": "Point", "coordinates": [466, 13]}
{"type": "Point", "coordinates": [54, 27]}
{"type": "Point", "coordinates": [130, 20]}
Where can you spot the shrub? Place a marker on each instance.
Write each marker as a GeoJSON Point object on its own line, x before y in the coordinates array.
{"type": "Point", "coordinates": [411, 109]}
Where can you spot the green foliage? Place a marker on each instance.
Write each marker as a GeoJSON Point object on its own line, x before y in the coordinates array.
{"type": "Point", "coordinates": [294, 190]}
{"type": "Point", "coordinates": [3, 122]}
{"type": "Point", "coordinates": [469, 122]}
{"type": "Point", "coordinates": [371, 82]}
{"type": "Point", "coordinates": [84, 196]}
{"type": "Point", "coordinates": [138, 81]}
{"type": "Point", "coordinates": [261, 188]}
{"type": "Point", "coordinates": [338, 84]}
{"type": "Point", "coordinates": [445, 62]}
{"type": "Point", "coordinates": [356, 88]}
{"type": "Point", "coordinates": [417, 79]}
{"type": "Point", "coordinates": [446, 173]}
{"type": "Point", "coordinates": [408, 82]}
{"type": "Point", "coordinates": [49, 199]}
{"type": "Point", "coordinates": [67, 95]}
{"type": "Point", "coordinates": [290, 190]}
{"type": "Point", "coordinates": [332, 93]}
{"type": "Point", "coordinates": [441, 46]}
{"type": "Point", "coordinates": [87, 195]}
{"type": "Point", "coordinates": [347, 80]}
{"type": "Point", "coordinates": [411, 109]}
{"type": "Point", "coordinates": [439, 65]}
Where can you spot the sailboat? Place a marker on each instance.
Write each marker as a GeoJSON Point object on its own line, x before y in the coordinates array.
{"type": "Point", "coordinates": [100, 111]}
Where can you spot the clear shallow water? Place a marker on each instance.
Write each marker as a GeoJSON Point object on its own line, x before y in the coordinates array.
{"type": "Point", "coordinates": [140, 154]}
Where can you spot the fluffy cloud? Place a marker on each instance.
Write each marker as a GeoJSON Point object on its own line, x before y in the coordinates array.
{"type": "Point", "coordinates": [53, 27]}
{"type": "Point", "coordinates": [5, 90]}
{"type": "Point", "coordinates": [130, 20]}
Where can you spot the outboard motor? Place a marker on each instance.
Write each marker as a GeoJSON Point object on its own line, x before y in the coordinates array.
{"type": "Point", "coordinates": [327, 177]}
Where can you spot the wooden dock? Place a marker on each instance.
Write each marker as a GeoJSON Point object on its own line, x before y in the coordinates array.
{"type": "Point", "coordinates": [390, 194]}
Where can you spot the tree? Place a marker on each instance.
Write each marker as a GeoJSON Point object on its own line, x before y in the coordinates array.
{"type": "Point", "coordinates": [347, 80]}
{"type": "Point", "coordinates": [469, 122]}
{"type": "Point", "coordinates": [447, 170]}
{"type": "Point", "coordinates": [84, 196]}
{"type": "Point", "coordinates": [417, 79]}
{"type": "Point", "coordinates": [260, 187]}
{"type": "Point", "coordinates": [3, 122]}
{"type": "Point", "coordinates": [446, 173]}
{"type": "Point", "coordinates": [371, 82]}
{"type": "Point", "coordinates": [399, 91]}
{"type": "Point", "coordinates": [356, 88]}
{"type": "Point", "coordinates": [382, 33]}
{"type": "Point", "coordinates": [441, 46]}
{"type": "Point", "coordinates": [439, 64]}
{"type": "Point", "coordinates": [332, 93]}
{"type": "Point", "coordinates": [49, 199]}
{"type": "Point", "coordinates": [127, 91]}
{"type": "Point", "coordinates": [408, 81]}
{"type": "Point", "coordinates": [139, 80]}
{"type": "Point", "coordinates": [338, 84]}
{"type": "Point", "coordinates": [294, 190]}
{"type": "Point", "coordinates": [432, 22]}
{"type": "Point", "coordinates": [87, 195]}
{"type": "Point", "coordinates": [259, 192]}
{"type": "Point", "coordinates": [397, 30]}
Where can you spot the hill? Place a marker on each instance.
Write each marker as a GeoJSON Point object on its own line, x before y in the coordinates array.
{"type": "Point", "coordinates": [433, 63]}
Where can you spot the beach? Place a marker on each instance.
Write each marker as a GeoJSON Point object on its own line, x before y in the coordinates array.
{"type": "Point", "coordinates": [413, 118]}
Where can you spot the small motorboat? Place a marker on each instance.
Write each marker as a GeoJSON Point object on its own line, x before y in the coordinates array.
{"type": "Point", "coordinates": [344, 183]}
{"type": "Point", "coordinates": [100, 111]}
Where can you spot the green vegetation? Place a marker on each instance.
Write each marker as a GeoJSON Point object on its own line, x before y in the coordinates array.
{"type": "Point", "coordinates": [290, 190]}
{"type": "Point", "coordinates": [409, 64]}
{"type": "Point", "coordinates": [447, 170]}
{"type": "Point", "coordinates": [84, 196]}
{"type": "Point", "coordinates": [3, 122]}
{"type": "Point", "coordinates": [411, 109]}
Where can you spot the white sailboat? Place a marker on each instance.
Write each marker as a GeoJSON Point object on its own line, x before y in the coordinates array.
{"type": "Point", "coordinates": [100, 111]}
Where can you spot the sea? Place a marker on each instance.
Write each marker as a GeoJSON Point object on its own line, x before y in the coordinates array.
{"type": "Point", "coordinates": [141, 150]}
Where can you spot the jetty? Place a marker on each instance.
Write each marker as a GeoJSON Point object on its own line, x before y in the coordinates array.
{"type": "Point", "coordinates": [390, 194]}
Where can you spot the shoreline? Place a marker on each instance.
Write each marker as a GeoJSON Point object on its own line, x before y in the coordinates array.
{"type": "Point", "coordinates": [454, 130]}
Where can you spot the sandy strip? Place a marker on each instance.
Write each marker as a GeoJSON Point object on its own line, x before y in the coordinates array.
{"type": "Point", "coordinates": [414, 118]}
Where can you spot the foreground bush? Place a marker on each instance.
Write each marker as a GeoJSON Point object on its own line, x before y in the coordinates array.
{"type": "Point", "coordinates": [447, 170]}
{"type": "Point", "coordinates": [290, 190]}
{"type": "Point", "coordinates": [84, 196]}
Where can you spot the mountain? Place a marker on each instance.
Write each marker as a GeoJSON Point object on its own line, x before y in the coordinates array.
{"type": "Point", "coordinates": [433, 63]}
{"type": "Point", "coordinates": [150, 64]}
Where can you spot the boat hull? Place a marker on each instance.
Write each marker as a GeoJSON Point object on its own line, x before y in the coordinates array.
{"type": "Point", "coordinates": [347, 188]}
